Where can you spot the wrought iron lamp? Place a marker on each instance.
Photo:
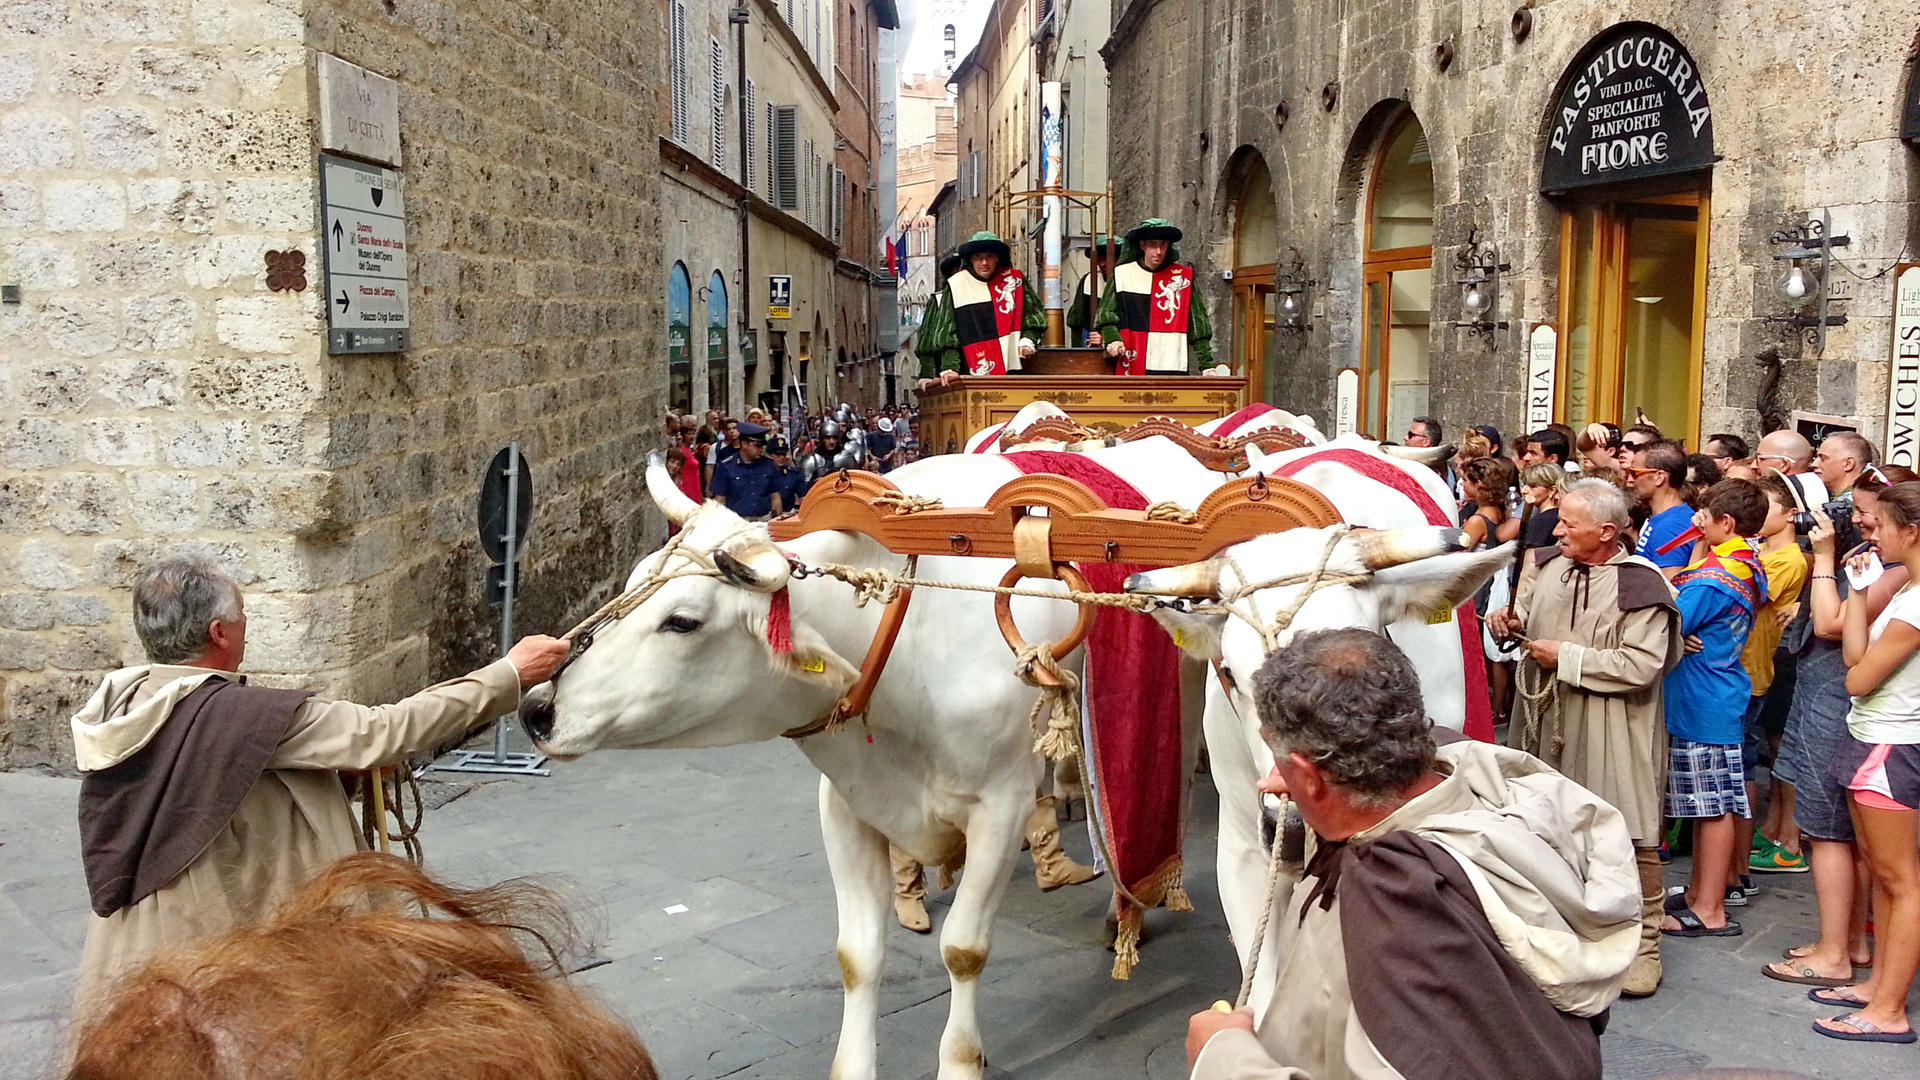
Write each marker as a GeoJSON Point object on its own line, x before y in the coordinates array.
{"type": "Point", "coordinates": [1477, 269]}
{"type": "Point", "coordinates": [1808, 253]}
{"type": "Point", "coordinates": [1290, 295]}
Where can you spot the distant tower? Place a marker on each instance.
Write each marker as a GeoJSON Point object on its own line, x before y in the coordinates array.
{"type": "Point", "coordinates": [947, 61]}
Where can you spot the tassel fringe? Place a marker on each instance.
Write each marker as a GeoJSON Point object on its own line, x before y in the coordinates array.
{"type": "Point", "coordinates": [1177, 898]}
{"type": "Point", "coordinates": [1126, 945]}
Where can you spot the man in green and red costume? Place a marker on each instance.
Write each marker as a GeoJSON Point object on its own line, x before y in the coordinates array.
{"type": "Point", "coordinates": [1153, 319]}
{"type": "Point", "coordinates": [982, 315]}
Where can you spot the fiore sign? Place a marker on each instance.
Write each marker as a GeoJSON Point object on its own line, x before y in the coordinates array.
{"type": "Point", "coordinates": [1903, 382]}
{"type": "Point", "coordinates": [1632, 106]}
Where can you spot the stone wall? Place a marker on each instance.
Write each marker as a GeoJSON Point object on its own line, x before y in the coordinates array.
{"type": "Point", "coordinates": [1806, 108]}
{"type": "Point", "coordinates": [155, 395]}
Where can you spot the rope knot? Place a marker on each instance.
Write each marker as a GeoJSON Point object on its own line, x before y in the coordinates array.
{"type": "Point", "coordinates": [902, 503]}
{"type": "Point", "coordinates": [1171, 511]}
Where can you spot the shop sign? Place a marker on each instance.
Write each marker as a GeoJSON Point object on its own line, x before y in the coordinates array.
{"type": "Point", "coordinates": [1543, 359]}
{"type": "Point", "coordinates": [1903, 381]}
{"type": "Point", "coordinates": [1346, 401]}
{"type": "Point", "coordinates": [780, 296]}
{"type": "Point", "coordinates": [677, 335]}
{"type": "Point", "coordinates": [1632, 106]}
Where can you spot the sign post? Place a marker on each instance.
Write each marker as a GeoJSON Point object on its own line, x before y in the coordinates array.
{"type": "Point", "coordinates": [506, 504]}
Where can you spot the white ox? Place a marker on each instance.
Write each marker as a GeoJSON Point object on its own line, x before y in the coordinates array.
{"type": "Point", "coordinates": [949, 769]}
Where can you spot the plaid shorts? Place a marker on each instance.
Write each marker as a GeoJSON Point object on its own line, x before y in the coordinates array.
{"type": "Point", "coordinates": [1704, 780]}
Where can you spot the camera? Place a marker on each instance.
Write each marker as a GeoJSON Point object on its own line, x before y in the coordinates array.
{"type": "Point", "coordinates": [1840, 512]}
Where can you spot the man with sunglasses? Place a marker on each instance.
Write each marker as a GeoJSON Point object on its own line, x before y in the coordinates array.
{"type": "Point", "coordinates": [1791, 454]}
{"type": "Point", "coordinates": [1656, 473]}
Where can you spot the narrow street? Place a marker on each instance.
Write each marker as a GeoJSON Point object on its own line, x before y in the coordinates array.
{"type": "Point", "coordinates": [744, 982]}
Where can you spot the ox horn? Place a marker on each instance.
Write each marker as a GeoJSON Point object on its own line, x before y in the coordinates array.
{"type": "Point", "coordinates": [1425, 455]}
{"type": "Point", "coordinates": [1379, 549]}
{"type": "Point", "coordinates": [1192, 579]}
{"type": "Point", "coordinates": [752, 563]}
{"type": "Point", "coordinates": [672, 501]}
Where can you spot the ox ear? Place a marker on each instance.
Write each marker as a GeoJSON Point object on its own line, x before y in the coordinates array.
{"type": "Point", "coordinates": [813, 661]}
{"type": "Point", "coordinates": [1426, 587]}
{"type": "Point", "coordinates": [1196, 634]}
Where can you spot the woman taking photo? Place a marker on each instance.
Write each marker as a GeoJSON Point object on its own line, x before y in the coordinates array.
{"type": "Point", "coordinates": [1879, 764]}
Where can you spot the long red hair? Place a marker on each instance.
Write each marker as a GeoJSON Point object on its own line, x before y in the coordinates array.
{"type": "Point", "coordinates": [374, 970]}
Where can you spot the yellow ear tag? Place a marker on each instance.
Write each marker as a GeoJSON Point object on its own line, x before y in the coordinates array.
{"type": "Point", "coordinates": [814, 664]}
{"type": "Point", "coordinates": [1439, 615]}
{"type": "Point", "coordinates": [1179, 639]}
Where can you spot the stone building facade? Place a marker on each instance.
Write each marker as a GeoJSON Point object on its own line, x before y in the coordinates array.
{"type": "Point", "coordinates": [861, 268]}
{"type": "Point", "coordinates": [157, 395]}
{"type": "Point", "coordinates": [1630, 174]}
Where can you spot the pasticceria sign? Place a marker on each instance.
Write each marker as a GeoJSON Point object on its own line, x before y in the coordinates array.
{"type": "Point", "coordinates": [1632, 106]}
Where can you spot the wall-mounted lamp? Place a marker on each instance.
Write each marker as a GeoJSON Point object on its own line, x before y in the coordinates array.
{"type": "Point", "coordinates": [1290, 295]}
{"type": "Point", "coordinates": [1477, 269]}
{"type": "Point", "coordinates": [1808, 253]}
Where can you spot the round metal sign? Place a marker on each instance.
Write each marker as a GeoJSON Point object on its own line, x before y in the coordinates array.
{"type": "Point", "coordinates": [508, 469]}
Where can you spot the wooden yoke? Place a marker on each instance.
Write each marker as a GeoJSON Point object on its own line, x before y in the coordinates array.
{"type": "Point", "coordinates": [1077, 527]}
{"type": "Point", "coordinates": [1080, 527]}
{"type": "Point", "coordinates": [1216, 453]}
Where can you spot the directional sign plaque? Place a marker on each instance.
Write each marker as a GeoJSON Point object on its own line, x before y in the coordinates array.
{"type": "Point", "coordinates": [365, 246]}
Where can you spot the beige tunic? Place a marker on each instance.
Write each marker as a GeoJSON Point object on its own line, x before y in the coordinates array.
{"type": "Point", "coordinates": [1603, 724]}
{"type": "Point", "coordinates": [293, 822]}
{"type": "Point", "coordinates": [1552, 868]}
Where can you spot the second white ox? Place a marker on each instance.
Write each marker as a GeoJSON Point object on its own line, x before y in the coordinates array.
{"type": "Point", "coordinates": [949, 767]}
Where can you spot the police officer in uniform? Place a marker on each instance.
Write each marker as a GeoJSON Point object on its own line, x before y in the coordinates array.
{"type": "Point", "coordinates": [745, 485]}
{"type": "Point", "coordinates": [788, 485]}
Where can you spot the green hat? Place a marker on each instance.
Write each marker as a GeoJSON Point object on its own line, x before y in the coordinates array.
{"type": "Point", "coordinates": [984, 242]}
{"type": "Point", "coordinates": [1155, 229]}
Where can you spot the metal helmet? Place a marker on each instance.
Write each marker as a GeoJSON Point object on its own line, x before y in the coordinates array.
{"type": "Point", "coordinates": [829, 429]}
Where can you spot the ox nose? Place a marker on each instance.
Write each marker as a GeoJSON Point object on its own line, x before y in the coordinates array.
{"type": "Point", "coordinates": [536, 715]}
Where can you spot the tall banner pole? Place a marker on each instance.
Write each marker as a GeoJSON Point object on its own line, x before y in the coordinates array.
{"type": "Point", "coordinates": [1051, 181]}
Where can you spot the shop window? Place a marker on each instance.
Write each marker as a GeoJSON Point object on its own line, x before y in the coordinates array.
{"type": "Point", "coordinates": [717, 342]}
{"type": "Point", "coordinates": [679, 331]}
{"type": "Point", "coordinates": [1256, 240]}
{"type": "Point", "coordinates": [1397, 279]}
{"type": "Point", "coordinates": [1632, 276]}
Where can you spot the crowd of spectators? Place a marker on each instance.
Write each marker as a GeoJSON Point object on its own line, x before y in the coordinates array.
{"type": "Point", "coordinates": [1789, 715]}
{"type": "Point", "coordinates": [802, 448]}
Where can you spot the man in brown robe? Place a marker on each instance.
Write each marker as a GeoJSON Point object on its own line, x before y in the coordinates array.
{"type": "Point", "coordinates": [1467, 912]}
{"type": "Point", "coordinates": [207, 801]}
{"type": "Point", "coordinates": [1602, 629]}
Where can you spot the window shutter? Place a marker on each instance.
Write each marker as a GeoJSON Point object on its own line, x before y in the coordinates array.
{"type": "Point", "coordinates": [839, 204]}
{"type": "Point", "coordinates": [677, 64]}
{"type": "Point", "coordinates": [749, 161]}
{"type": "Point", "coordinates": [786, 179]}
{"type": "Point", "coordinates": [773, 155]}
{"type": "Point", "coordinates": [718, 61]}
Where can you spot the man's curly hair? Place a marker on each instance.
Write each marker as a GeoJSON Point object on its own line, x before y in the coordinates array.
{"type": "Point", "coordinates": [1349, 701]}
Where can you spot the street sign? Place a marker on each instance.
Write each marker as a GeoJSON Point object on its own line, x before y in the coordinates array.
{"type": "Point", "coordinates": [780, 296]}
{"type": "Point", "coordinates": [1543, 358]}
{"type": "Point", "coordinates": [364, 241]}
{"type": "Point", "coordinates": [507, 470]}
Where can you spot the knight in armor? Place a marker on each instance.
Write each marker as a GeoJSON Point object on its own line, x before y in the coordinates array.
{"type": "Point", "coordinates": [1081, 312]}
{"type": "Point", "coordinates": [1154, 321]}
{"type": "Point", "coordinates": [982, 315]}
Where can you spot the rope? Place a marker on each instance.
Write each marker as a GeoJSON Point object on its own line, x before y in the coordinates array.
{"type": "Point", "coordinates": [902, 503]}
{"type": "Point", "coordinates": [1171, 511]}
{"type": "Point", "coordinates": [864, 578]}
{"type": "Point", "coordinates": [381, 796]}
{"type": "Point", "coordinates": [1274, 866]}
{"type": "Point", "coordinates": [1316, 580]}
{"type": "Point", "coordinates": [1539, 690]}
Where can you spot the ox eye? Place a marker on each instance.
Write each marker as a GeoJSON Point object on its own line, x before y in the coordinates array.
{"type": "Point", "coordinates": [680, 624]}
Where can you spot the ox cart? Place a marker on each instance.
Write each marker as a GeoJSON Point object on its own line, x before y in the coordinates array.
{"type": "Point", "coordinates": [1109, 538]}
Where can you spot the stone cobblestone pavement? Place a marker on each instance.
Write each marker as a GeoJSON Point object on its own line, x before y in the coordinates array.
{"type": "Point", "coordinates": [744, 983]}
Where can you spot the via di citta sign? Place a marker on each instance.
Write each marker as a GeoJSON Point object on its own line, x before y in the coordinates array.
{"type": "Point", "coordinates": [1632, 106]}
{"type": "Point", "coordinates": [364, 246]}
{"type": "Point", "coordinates": [359, 111]}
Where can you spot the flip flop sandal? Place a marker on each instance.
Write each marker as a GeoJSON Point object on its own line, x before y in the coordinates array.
{"type": "Point", "coordinates": [1864, 1031]}
{"type": "Point", "coordinates": [1801, 952]}
{"type": "Point", "coordinates": [1820, 996]}
{"type": "Point", "coordinates": [1804, 975]}
{"type": "Point", "coordinates": [1691, 926]}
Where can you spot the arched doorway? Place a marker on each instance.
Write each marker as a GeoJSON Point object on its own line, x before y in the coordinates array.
{"type": "Point", "coordinates": [1397, 281]}
{"type": "Point", "coordinates": [679, 338]}
{"type": "Point", "coordinates": [717, 388]}
{"type": "Point", "coordinates": [1256, 243]}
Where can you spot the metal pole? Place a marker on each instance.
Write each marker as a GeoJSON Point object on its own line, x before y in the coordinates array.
{"type": "Point", "coordinates": [512, 539]}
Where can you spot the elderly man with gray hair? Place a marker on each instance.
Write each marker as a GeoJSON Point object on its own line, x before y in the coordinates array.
{"type": "Point", "coordinates": [1471, 913]}
{"type": "Point", "coordinates": [1602, 628]}
{"type": "Point", "coordinates": [205, 800]}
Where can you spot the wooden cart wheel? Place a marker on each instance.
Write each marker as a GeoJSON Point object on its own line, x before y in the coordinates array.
{"type": "Point", "coordinates": [1003, 614]}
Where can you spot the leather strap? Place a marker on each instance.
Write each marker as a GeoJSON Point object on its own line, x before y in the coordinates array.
{"type": "Point", "coordinates": [854, 703]}
{"type": "Point", "coordinates": [1033, 546]}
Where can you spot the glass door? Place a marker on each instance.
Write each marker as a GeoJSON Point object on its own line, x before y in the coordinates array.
{"type": "Point", "coordinates": [1253, 301]}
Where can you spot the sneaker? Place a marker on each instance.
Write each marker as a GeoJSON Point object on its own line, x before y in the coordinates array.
{"type": "Point", "coordinates": [1749, 886]}
{"type": "Point", "coordinates": [1736, 896]}
{"type": "Point", "coordinates": [1774, 859]}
